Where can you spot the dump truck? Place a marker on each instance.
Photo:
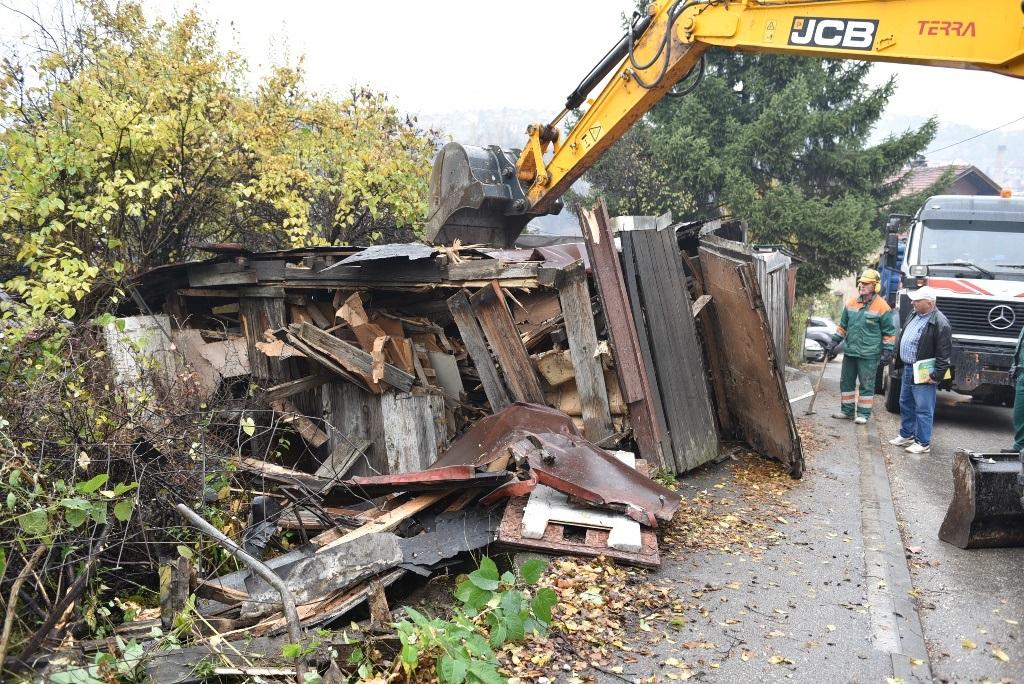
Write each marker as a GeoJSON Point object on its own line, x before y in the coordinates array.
{"type": "Point", "coordinates": [487, 195]}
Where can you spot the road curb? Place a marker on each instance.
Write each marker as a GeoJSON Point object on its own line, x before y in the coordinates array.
{"type": "Point", "coordinates": [896, 625]}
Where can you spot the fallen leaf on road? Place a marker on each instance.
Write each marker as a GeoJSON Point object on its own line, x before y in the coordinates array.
{"type": "Point", "coordinates": [1010, 622]}
{"type": "Point", "coordinates": [894, 680]}
{"type": "Point", "coordinates": [916, 662]}
{"type": "Point", "coordinates": [831, 628]}
{"type": "Point", "coordinates": [1001, 654]}
{"type": "Point", "coordinates": [780, 660]}
{"type": "Point", "coordinates": [968, 644]}
{"type": "Point", "coordinates": [915, 549]}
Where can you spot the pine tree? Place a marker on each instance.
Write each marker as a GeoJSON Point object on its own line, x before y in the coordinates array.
{"type": "Point", "coordinates": [779, 141]}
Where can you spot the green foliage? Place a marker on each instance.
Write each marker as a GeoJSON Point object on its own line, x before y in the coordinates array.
{"type": "Point", "coordinates": [494, 610]}
{"type": "Point", "coordinates": [127, 140]}
{"type": "Point", "coordinates": [45, 510]}
{"type": "Point", "coordinates": [779, 141]}
{"type": "Point", "coordinates": [106, 667]}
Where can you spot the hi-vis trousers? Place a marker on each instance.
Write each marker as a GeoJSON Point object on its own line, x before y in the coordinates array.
{"type": "Point", "coordinates": [855, 369]}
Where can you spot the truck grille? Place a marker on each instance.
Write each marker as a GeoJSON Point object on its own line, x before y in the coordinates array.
{"type": "Point", "coordinates": [971, 317]}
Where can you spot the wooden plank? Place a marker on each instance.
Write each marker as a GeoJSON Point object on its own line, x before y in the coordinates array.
{"type": "Point", "coordinates": [290, 414]}
{"type": "Point", "coordinates": [473, 338]}
{"type": "Point", "coordinates": [351, 356]}
{"type": "Point", "coordinates": [287, 389]}
{"type": "Point", "coordinates": [633, 378]}
{"type": "Point", "coordinates": [389, 520]}
{"type": "Point", "coordinates": [329, 363]}
{"type": "Point", "coordinates": [582, 333]}
{"type": "Point", "coordinates": [354, 417]}
{"type": "Point", "coordinates": [224, 273]}
{"type": "Point", "coordinates": [257, 315]}
{"type": "Point", "coordinates": [707, 327]}
{"type": "Point", "coordinates": [629, 267]}
{"type": "Point", "coordinates": [175, 574]}
{"type": "Point", "coordinates": [699, 305]}
{"type": "Point", "coordinates": [500, 330]}
{"type": "Point", "coordinates": [318, 316]}
{"type": "Point", "coordinates": [678, 358]}
{"type": "Point", "coordinates": [413, 436]}
{"type": "Point", "coordinates": [343, 457]}
{"type": "Point", "coordinates": [214, 591]}
{"type": "Point", "coordinates": [490, 269]}
{"type": "Point", "coordinates": [278, 473]}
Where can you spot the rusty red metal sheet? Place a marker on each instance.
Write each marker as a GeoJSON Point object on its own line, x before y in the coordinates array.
{"type": "Point", "coordinates": [591, 543]}
{"type": "Point", "coordinates": [562, 458]}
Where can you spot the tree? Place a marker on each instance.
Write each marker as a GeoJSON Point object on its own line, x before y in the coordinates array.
{"type": "Point", "coordinates": [125, 141]}
{"type": "Point", "coordinates": [779, 141]}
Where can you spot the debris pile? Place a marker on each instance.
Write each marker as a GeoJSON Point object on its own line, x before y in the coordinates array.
{"type": "Point", "coordinates": [400, 406]}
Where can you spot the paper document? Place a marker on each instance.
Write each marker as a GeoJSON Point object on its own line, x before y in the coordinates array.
{"type": "Point", "coordinates": [923, 369]}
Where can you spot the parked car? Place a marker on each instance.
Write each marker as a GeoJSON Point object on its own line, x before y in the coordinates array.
{"type": "Point", "coordinates": [813, 350]}
{"type": "Point", "coordinates": [821, 323]}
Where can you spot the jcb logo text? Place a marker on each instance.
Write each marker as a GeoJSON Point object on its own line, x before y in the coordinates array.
{"type": "Point", "coordinates": [848, 34]}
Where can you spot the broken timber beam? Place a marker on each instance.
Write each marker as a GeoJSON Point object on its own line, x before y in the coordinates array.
{"type": "Point", "coordinates": [582, 334]}
{"type": "Point", "coordinates": [473, 338]}
{"type": "Point", "coordinates": [500, 330]}
{"type": "Point", "coordinates": [287, 389]}
{"type": "Point", "coordinates": [353, 357]}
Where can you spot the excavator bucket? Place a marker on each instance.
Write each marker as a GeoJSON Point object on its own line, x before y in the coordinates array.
{"type": "Point", "coordinates": [987, 509]}
{"type": "Point", "coordinates": [476, 197]}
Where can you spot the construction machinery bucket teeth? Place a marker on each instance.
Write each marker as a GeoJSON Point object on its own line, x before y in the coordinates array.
{"type": "Point", "coordinates": [476, 197]}
{"type": "Point", "coordinates": [987, 510]}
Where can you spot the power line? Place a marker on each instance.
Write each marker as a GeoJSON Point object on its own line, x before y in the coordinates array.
{"type": "Point", "coordinates": [991, 130]}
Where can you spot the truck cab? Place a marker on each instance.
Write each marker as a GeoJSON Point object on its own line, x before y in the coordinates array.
{"type": "Point", "coordinates": [971, 250]}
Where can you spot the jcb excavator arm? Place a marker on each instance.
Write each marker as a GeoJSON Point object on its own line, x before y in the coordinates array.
{"type": "Point", "coordinates": [487, 195]}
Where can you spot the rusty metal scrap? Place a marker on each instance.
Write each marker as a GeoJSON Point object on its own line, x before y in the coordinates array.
{"type": "Point", "coordinates": [564, 460]}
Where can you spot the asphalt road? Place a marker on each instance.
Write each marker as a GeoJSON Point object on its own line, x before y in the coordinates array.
{"type": "Point", "coordinates": [964, 598]}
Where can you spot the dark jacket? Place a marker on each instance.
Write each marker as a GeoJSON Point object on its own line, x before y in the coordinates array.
{"type": "Point", "coordinates": [936, 343]}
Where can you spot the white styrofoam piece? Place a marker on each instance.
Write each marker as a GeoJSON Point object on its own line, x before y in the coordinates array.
{"type": "Point", "coordinates": [550, 505]}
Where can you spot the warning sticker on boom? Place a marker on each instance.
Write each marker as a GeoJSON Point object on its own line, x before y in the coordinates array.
{"type": "Point", "coordinates": [846, 34]}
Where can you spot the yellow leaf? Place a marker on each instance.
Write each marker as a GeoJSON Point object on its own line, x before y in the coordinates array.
{"type": "Point", "coordinates": [779, 660]}
{"type": "Point", "coordinates": [1001, 654]}
{"type": "Point", "coordinates": [968, 644]}
{"type": "Point", "coordinates": [916, 662]}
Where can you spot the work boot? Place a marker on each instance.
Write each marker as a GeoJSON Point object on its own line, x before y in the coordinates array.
{"type": "Point", "coordinates": [860, 420]}
{"type": "Point", "coordinates": [839, 415]}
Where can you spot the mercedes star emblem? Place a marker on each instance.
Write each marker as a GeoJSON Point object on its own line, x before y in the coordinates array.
{"type": "Point", "coordinates": [1001, 317]}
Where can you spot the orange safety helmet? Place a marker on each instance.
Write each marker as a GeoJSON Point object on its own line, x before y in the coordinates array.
{"type": "Point", "coordinates": [872, 276]}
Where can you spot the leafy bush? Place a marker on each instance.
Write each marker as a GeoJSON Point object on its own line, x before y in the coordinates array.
{"type": "Point", "coordinates": [494, 609]}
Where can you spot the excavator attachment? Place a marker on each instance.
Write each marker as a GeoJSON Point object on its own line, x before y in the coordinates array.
{"type": "Point", "coordinates": [476, 197]}
{"type": "Point", "coordinates": [987, 509]}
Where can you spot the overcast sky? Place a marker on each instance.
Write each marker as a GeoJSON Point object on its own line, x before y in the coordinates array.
{"type": "Point", "coordinates": [471, 54]}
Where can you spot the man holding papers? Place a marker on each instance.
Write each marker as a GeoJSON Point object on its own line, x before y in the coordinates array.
{"type": "Point", "coordinates": [925, 342]}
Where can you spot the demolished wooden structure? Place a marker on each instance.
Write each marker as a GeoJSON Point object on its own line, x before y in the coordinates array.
{"type": "Point", "coordinates": [436, 400]}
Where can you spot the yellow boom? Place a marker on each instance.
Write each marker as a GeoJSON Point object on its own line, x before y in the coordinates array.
{"type": "Point", "coordinates": [488, 194]}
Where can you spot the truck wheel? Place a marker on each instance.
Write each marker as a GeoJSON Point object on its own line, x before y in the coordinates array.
{"type": "Point", "coordinates": [892, 396]}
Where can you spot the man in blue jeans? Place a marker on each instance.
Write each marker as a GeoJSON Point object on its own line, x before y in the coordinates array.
{"type": "Point", "coordinates": [925, 335]}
